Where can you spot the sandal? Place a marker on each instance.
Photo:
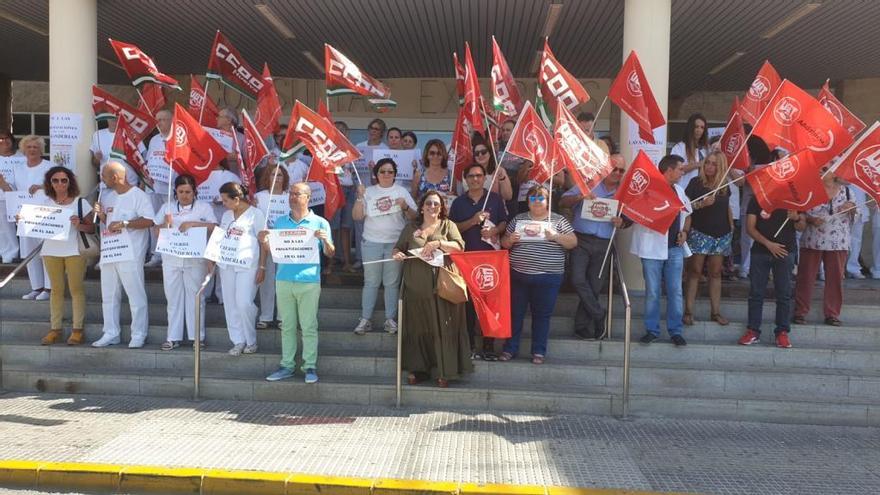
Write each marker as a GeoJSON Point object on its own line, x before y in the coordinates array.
{"type": "Point", "coordinates": [262, 325]}
{"type": "Point", "coordinates": [834, 322]}
{"type": "Point", "coordinates": [687, 319]}
{"type": "Point", "coordinates": [170, 345]}
{"type": "Point", "coordinates": [717, 318]}
{"type": "Point", "coordinates": [799, 320]}
{"type": "Point", "coordinates": [537, 359]}
{"type": "Point", "coordinates": [443, 383]}
{"type": "Point", "coordinates": [489, 356]}
{"type": "Point", "coordinates": [505, 356]}
{"type": "Point", "coordinates": [412, 379]}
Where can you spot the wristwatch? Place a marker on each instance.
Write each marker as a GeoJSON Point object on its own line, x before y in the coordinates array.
{"type": "Point", "coordinates": [125, 224]}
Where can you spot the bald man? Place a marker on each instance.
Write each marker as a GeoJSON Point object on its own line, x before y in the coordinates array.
{"type": "Point", "coordinates": [126, 209]}
{"type": "Point", "coordinates": [159, 171]}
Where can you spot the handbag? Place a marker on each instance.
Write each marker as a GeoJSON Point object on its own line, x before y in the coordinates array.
{"type": "Point", "coordinates": [451, 285]}
{"type": "Point", "coordinates": [88, 243]}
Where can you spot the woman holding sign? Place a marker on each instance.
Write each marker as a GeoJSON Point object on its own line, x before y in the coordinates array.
{"type": "Point", "coordinates": [62, 256]}
{"type": "Point", "coordinates": [537, 240]}
{"type": "Point", "coordinates": [29, 178]}
{"type": "Point", "coordinates": [435, 340]}
{"type": "Point", "coordinates": [182, 276]}
{"type": "Point", "coordinates": [384, 209]}
{"type": "Point", "coordinates": [8, 239]}
{"type": "Point", "coordinates": [272, 201]}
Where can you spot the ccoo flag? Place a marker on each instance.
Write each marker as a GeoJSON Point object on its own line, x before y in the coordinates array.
{"type": "Point", "coordinates": [139, 66]}
{"type": "Point", "coordinates": [268, 106]}
{"type": "Point", "coordinates": [108, 106]}
{"type": "Point", "coordinates": [505, 94]}
{"type": "Point", "coordinates": [125, 147]}
{"type": "Point", "coordinates": [587, 163]}
{"type": "Point", "coordinates": [227, 65]}
{"type": "Point", "coordinates": [557, 84]}
{"type": "Point", "coordinates": [343, 77]}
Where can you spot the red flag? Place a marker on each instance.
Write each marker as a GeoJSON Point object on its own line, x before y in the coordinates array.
{"type": "Point", "coordinates": [632, 93]}
{"type": "Point", "coordinates": [758, 96]}
{"type": "Point", "coordinates": [841, 114]}
{"type": "Point", "coordinates": [860, 165]}
{"type": "Point", "coordinates": [324, 112]}
{"type": "Point", "coordinates": [255, 151]}
{"type": "Point", "coordinates": [487, 275]}
{"type": "Point", "coordinates": [152, 98]}
{"type": "Point", "coordinates": [792, 183]}
{"type": "Point", "coordinates": [107, 106]}
{"type": "Point", "coordinates": [796, 121]}
{"type": "Point", "coordinates": [461, 149]}
{"type": "Point", "coordinates": [733, 141]}
{"type": "Point", "coordinates": [227, 65]}
{"type": "Point", "coordinates": [268, 106]}
{"type": "Point", "coordinates": [505, 94]}
{"type": "Point", "coordinates": [320, 136]}
{"type": "Point", "coordinates": [139, 66]}
{"type": "Point", "coordinates": [531, 141]}
{"type": "Point", "coordinates": [472, 97]}
{"type": "Point", "coordinates": [125, 147]}
{"type": "Point", "coordinates": [557, 84]}
{"type": "Point", "coordinates": [586, 161]}
{"type": "Point", "coordinates": [201, 105]}
{"type": "Point", "coordinates": [645, 196]}
{"type": "Point", "coordinates": [342, 76]}
{"type": "Point", "coordinates": [191, 150]}
{"type": "Point", "coordinates": [459, 78]}
{"type": "Point", "coordinates": [734, 108]}
{"type": "Point", "coordinates": [324, 173]}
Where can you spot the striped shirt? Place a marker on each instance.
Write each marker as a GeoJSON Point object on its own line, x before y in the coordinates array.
{"type": "Point", "coordinates": [537, 257]}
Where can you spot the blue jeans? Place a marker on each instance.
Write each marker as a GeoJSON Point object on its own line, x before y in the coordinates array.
{"type": "Point", "coordinates": [759, 274]}
{"type": "Point", "coordinates": [655, 271]}
{"type": "Point", "coordinates": [375, 274]}
{"type": "Point", "coordinates": [539, 292]}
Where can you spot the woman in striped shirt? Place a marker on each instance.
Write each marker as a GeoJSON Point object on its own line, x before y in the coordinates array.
{"type": "Point", "coordinates": [537, 240]}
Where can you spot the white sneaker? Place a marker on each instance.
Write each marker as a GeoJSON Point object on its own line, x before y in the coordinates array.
{"type": "Point", "coordinates": [105, 340]}
{"type": "Point", "coordinates": [857, 276]}
{"type": "Point", "coordinates": [363, 326]}
{"type": "Point", "coordinates": [236, 350]}
{"type": "Point", "coordinates": [136, 342]}
{"type": "Point", "coordinates": [43, 296]}
{"type": "Point", "coordinates": [249, 349]}
{"type": "Point", "coordinates": [390, 326]}
{"type": "Point", "coordinates": [154, 262]}
{"type": "Point", "coordinates": [30, 296]}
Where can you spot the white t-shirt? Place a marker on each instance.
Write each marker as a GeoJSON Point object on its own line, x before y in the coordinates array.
{"type": "Point", "coordinates": [102, 141]}
{"type": "Point", "coordinates": [70, 247]}
{"type": "Point", "coordinates": [134, 204]}
{"type": "Point", "coordinates": [26, 176]}
{"type": "Point", "coordinates": [649, 244]}
{"type": "Point", "coordinates": [385, 228]}
{"type": "Point", "coordinates": [250, 222]}
{"type": "Point", "coordinates": [280, 205]}
{"type": "Point", "coordinates": [680, 150]}
{"type": "Point", "coordinates": [156, 161]}
{"type": "Point", "coordinates": [210, 189]}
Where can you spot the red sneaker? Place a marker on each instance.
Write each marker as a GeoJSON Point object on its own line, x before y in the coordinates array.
{"type": "Point", "coordinates": [750, 337]}
{"type": "Point", "coordinates": [782, 340]}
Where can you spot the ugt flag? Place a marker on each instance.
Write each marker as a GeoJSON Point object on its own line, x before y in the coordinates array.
{"type": "Point", "coordinates": [505, 95]}
{"type": "Point", "coordinates": [587, 163]}
{"type": "Point", "coordinates": [487, 275]}
{"type": "Point", "coordinates": [791, 183]}
{"type": "Point", "coordinates": [200, 105]}
{"type": "Point", "coordinates": [107, 106]}
{"type": "Point", "coordinates": [630, 91]}
{"type": "Point", "coordinates": [227, 65]}
{"type": "Point", "coordinates": [191, 150]}
{"type": "Point", "coordinates": [758, 96]}
{"type": "Point", "coordinates": [531, 141]}
{"type": "Point", "coordinates": [557, 84]}
{"type": "Point", "coordinates": [842, 115]}
{"type": "Point", "coordinates": [860, 165]}
{"type": "Point", "coordinates": [733, 143]}
{"type": "Point", "coordinates": [125, 147]}
{"type": "Point", "coordinates": [139, 66]}
{"type": "Point", "coordinates": [645, 196]}
{"type": "Point", "coordinates": [342, 76]}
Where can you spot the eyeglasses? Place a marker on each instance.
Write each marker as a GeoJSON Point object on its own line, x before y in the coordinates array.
{"type": "Point", "coordinates": [435, 153]}
{"type": "Point", "coordinates": [481, 152]}
{"type": "Point", "coordinates": [536, 199]}
{"type": "Point", "coordinates": [475, 176]}
{"type": "Point", "coordinates": [386, 172]}
{"type": "Point", "coordinates": [62, 180]}
{"type": "Point", "coordinates": [374, 128]}
{"type": "Point", "coordinates": [432, 204]}
{"type": "Point", "coordinates": [619, 170]}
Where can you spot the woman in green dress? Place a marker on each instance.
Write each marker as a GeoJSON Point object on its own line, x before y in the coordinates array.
{"type": "Point", "coordinates": [435, 341]}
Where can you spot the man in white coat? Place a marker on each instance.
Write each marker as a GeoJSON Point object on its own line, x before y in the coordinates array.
{"type": "Point", "coordinates": [162, 176]}
{"type": "Point", "coordinates": [126, 214]}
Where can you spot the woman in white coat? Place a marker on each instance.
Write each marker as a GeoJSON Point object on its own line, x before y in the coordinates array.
{"type": "Point", "coordinates": [276, 183]}
{"type": "Point", "coordinates": [182, 276]}
{"type": "Point", "coordinates": [30, 177]}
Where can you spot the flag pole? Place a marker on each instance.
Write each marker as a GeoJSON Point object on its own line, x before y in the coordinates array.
{"type": "Point", "coordinates": [599, 111]}
{"type": "Point", "coordinates": [271, 190]}
{"type": "Point", "coordinates": [786, 219]}
{"type": "Point", "coordinates": [205, 99]}
{"type": "Point", "coordinates": [610, 240]}
{"type": "Point", "coordinates": [494, 157]}
{"type": "Point", "coordinates": [144, 102]}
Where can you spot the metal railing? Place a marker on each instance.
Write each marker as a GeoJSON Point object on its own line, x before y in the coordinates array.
{"type": "Point", "coordinates": [21, 265]}
{"type": "Point", "coordinates": [399, 388]}
{"type": "Point", "coordinates": [197, 333]}
{"type": "Point", "coordinates": [627, 326]}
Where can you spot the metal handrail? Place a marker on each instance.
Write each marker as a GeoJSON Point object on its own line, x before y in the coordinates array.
{"type": "Point", "coordinates": [21, 265]}
{"type": "Point", "coordinates": [197, 348]}
{"type": "Point", "coordinates": [399, 387]}
{"type": "Point", "coordinates": [627, 334]}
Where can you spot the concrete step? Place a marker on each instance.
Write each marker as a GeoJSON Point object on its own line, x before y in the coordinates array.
{"type": "Point", "coordinates": [369, 391]}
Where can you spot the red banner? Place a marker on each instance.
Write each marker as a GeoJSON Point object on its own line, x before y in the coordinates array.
{"type": "Point", "coordinates": [201, 105]}
{"type": "Point", "coordinates": [860, 165]}
{"type": "Point", "coordinates": [792, 183]}
{"type": "Point", "coordinates": [487, 275]}
{"type": "Point", "coordinates": [320, 136]}
{"type": "Point", "coordinates": [191, 150]}
{"type": "Point", "coordinates": [841, 114]}
{"type": "Point", "coordinates": [125, 147]}
{"type": "Point", "coordinates": [342, 76]}
{"type": "Point", "coordinates": [459, 78]}
{"type": "Point", "coordinates": [531, 141]}
{"type": "Point", "coordinates": [645, 196]}
{"type": "Point", "coordinates": [227, 65]}
{"type": "Point", "coordinates": [631, 92]}
{"type": "Point", "coordinates": [760, 92]}
{"type": "Point", "coordinates": [268, 106]}
{"type": "Point", "coordinates": [325, 174]}
{"type": "Point", "coordinates": [461, 149]}
{"type": "Point", "coordinates": [152, 98]}
{"type": "Point", "coordinates": [107, 106]}
{"type": "Point", "coordinates": [505, 94]}
{"type": "Point", "coordinates": [473, 99]}
{"type": "Point", "coordinates": [733, 144]}
{"type": "Point", "coordinates": [587, 163]}
{"type": "Point", "coordinates": [255, 151]}
{"type": "Point", "coordinates": [139, 66]}
{"type": "Point", "coordinates": [796, 121]}
{"type": "Point", "coordinates": [557, 84]}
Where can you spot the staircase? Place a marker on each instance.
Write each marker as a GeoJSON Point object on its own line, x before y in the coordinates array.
{"type": "Point", "coordinates": [831, 376]}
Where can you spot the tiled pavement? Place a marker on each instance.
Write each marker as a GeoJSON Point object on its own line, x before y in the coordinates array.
{"type": "Point", "coordinates": [663, 455]}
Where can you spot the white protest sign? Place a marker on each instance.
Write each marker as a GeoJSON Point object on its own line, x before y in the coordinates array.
{"type": "Point", "coordinates": [492, 241]}
{"type": "Point", "coordinates": [294, 246]}
{"type": "Point", "coordinates": [189, 244]}
{"type": "Point", "coordinates": [232, 247]}
{"type": "Point", "coordinates": [318, 196]}
{"type": "Point", "coordinates": [65, 128]}
{"type": "Point", "coordinates": [362, 164]}
{"type": "Point", "coordinates": [278, 207]}
{"type": "Point", "coordinates": [599, 210]}
{"type": "Point", "coordinates": [434, 258]}
{"type": "Point", "coordinates": [158, 167]}
{"type": "Point", "coordinates": [403, 159]}
{"type": "Point", "coordinates": [116, 247]}
{"type": "Point", "coordinates": [531, 231]}
{"type": "Point", "coordinates": [44, 222]}
{"type": "Point", "coordinates": [7, 169]}
{"type": "Point", "coordinates": [383, 205]}
{"type": "Point", "coordinates": [223, 138]}
{"type": "Point", "coordinates": [14, 200]}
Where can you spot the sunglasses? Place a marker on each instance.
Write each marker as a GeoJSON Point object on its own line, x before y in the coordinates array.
{"type": "Point", "coordinates": [535, 199]}
{"type": "Point", "coordinates": [435, 153]}
{"type": "Point", "coordinates": [475, 176]}
{"type": "Point", "coordinates": [432, 204]}
{"type": "Point", "coordinates": [63, 180]}
{"type": "Point", "coordinates": [619, 170]}
{"type": "Point", "coordinates": [481, 152]}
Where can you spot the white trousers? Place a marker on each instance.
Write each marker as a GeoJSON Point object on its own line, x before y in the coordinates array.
{"type": "Point", "coordinates": [127, 276]}
{"type": "Point", "coordinates": [875, 248]}
{"type": "Point", "coordinates": [37, 273]}
{"type": "Point", "coordinates": [238, 304]}
{"type": "Point", "coordinates": [267, 292]}
{"type": "Point", "coordinates": [855, 248]}
{"type": "Point", "coordinates": [182, 278]}
{"type": "Point", "coordinates": [8, 240]}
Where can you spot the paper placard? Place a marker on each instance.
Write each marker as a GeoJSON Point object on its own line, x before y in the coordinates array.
{"type": "Point", "coordinates": [362, 164]}
{"type": "Point", "coordinates": [294, 246]}
{"type": "Point", "coordinates": [44, 222]}
{"type": "Point", "coordinates": [403, 159]}
{"type": "Point", "coordinates": [232, 247]}
{"type": "Point", "coordinates": [65, 128]}
{"type": "Point", "coordinates": [278, 206]}
{"type": "Point", "coordinates": [158, 167]}
{"type": "Point", "coordinates": [383, 205]}
{"type": "Point", "coordinates": [434, 259]}
{"type": "Point", "coordinates": [7, 169]}
{"type": "Point", "coordinates": [494, 241]}
{"type": "Point", "coordinates": [223, 138]}
{"type": "Point", "coordinates": [14, 200]}
{"type": "Point", "coordinates": [116, 247]}
{"type": "Point", "coordinates": [318, 195]}
{"type": "Point", "coordinates": [189, 244]}
{"type": "Point", "coordinates": [599, 210]}
{"type": "Point", "coordinates": [530, 231]}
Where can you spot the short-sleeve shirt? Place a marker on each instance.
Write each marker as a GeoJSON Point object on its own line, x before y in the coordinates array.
{"type": "Point", "coordinates": [581, 225]}
{"type": "Point", "coordinates": [464, 208]}
{"type": "Point", "coordinates": [834, 234]}
{"type": "Point", "coordinates": [537, 257]}
{"type": "Point", "coordinates": [69, 247]}
{"type": "Point", "coordinates": [302, 272]}
{"type": "Point", "coordinates": [249, 222]}
{"type": "Point", "coordinates": [711, 220]}
{"type": "Point", "coordinates": [131, 205]}
{"type": "Point", "coordinates": [768, 227]}
{"type": "Point", "coordinates": [385, 229]}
